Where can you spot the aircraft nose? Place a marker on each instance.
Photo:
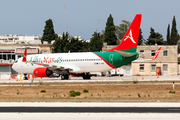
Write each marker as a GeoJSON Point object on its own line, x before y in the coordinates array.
{"type": "Point", "coordinates": [13, 66]}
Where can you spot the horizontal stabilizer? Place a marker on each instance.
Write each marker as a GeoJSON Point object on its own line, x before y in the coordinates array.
{"type": "Point", "coordinates": [125, 54]}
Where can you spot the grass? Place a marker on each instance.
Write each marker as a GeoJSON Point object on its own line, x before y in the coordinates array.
{"type": "Point", "coordinates": [41, 82]}
{"type": "Point", "coordinates": [135, 81]}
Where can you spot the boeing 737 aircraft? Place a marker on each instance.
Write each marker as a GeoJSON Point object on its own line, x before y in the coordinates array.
{"type": "Point", "coordinates": [64, 64]}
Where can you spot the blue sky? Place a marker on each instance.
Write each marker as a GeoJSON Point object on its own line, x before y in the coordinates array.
{"type": "Point", "coordinates": [27, 17]}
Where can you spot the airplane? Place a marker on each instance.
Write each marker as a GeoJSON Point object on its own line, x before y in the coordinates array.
{"type": "Point", "coordinates": [82, 63]}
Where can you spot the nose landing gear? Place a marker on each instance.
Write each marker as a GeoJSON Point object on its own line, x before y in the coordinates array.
{"type": "Point", "coordinates": [25, 77]}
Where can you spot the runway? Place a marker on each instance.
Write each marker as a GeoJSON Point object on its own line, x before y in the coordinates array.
{"type": "Point", "coordinates": [88, 111]}
{"type": "Point", "coordinates": [91, 109]}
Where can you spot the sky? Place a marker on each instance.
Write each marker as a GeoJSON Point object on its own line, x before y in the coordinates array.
{"type": "Point", "coordinates": [27, 17]}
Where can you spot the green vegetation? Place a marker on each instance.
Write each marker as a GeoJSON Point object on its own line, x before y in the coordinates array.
{"type": "Point", "coordinates": [72, 91]}
{"type": "Point", "coordinates": [154, 37]}
{"type": "Point", "coordinates": [65, 43]}
{"type": "Point", "coordinates": [41, 82]}
{"type": "Point", "coordinates": [74, 94]}
{"type": "Point", "coordinates": [48, 32]}
{"type": "Point", "coordinates": [17, 92]}
{"type": "Point", "coordinates": [110, 36]}
{"type": "Point", "coordinates": [77, 93]}
{"type": "Point", "coordinates": [168, 38]}
{"type": "Point", "coordinates": [43, 91]}
{"type": "Point", "coordinates": [174, 33]}
{"type": "Point", "coordinates": [96, 42]}
{"type": "Point", "coordinates": [122, 29]}
{"type": "Point", "coordinates": [135, 81]}
{"type": "Point", "coordinates": [85, 91]}
{"type": "Point", "coordinates": [172, 92]}
{"type": "Point", "coordinates": [141, 39]}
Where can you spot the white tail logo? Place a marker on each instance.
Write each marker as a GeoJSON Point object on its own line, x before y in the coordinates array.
{"type": "Point", "coordinates": [130, 37]}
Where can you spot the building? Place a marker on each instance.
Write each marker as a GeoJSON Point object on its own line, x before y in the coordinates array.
{"type": "Point", "coordinates": [20, 39]}
{"type": "Point", "coordinates": [165, 64]}
{"type": "Point", "coordinates": [12, 47]}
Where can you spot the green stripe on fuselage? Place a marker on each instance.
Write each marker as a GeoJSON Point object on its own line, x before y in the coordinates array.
{"type": "Point", "coordinates": [117, 59]}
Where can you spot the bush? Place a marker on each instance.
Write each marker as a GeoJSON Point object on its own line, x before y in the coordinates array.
{"type": "Point", "coordinates": [17, 92]}
{"type": "Point", "coordinates": [73, 95]}
{"type": "Point", "coordinates": [172, 92]}
{"type": "Point", "coordinates": [77, 93]}
{"type": "Point", "coordinates": [72, 91]}
{"type": "Point", "coordinates": [85, 91]}
{"type": "Point", "coordinates": [139, 95]}
{"type": "Point", "coordinates": [43, 91]}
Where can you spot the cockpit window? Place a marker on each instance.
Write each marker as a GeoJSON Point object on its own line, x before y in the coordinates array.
{"type": "Point", "coordinates": [16, 61]}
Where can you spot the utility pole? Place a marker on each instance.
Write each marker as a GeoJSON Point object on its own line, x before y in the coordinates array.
{"type": "Point", "coordinates": [65, 16]}
{"type": "Point", "coordinates": [97, 25]}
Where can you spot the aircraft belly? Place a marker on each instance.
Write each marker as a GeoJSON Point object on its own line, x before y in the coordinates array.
{"type": "Point", "coordinates": [92, 67]}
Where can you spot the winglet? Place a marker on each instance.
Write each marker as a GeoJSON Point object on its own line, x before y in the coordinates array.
{"type": "Point", "coordinates": [156, 55]}
{"type": "Point", "coordinates": [25, 55]}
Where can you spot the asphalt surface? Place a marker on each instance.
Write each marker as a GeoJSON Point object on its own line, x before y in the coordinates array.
{"type": "Point", "coordinates": [92, 109]}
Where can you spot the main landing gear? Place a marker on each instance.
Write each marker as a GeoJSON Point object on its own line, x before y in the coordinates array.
{"type": "Point", "coordinates": [86, 76]}
{"type": "Point", "coordinates": [65, 77]}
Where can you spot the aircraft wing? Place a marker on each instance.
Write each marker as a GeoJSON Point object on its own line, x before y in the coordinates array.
{"type": "Point", "coordinates": [52, 66]}
{"type": "Point", "coordinates": [153, 58]}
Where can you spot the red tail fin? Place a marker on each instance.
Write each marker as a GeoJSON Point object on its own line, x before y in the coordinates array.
{"type": "Point", "coordinates": [130, 39]}
{"type": "Point", "coordinates": [24, 56]}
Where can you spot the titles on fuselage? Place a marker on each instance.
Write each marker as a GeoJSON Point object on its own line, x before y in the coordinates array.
{"type": "Point", "coordinates": [46, 59]}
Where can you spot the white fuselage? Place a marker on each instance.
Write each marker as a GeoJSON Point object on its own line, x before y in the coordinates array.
{"type": "Point", "coordinates": [77, 62]}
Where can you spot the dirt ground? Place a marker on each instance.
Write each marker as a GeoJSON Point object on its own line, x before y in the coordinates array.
{"type": "Point", "coordinates": [98, 92]}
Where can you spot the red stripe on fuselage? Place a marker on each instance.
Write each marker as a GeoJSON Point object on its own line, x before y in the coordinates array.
{"type": "Point", "coordinates": [106, 61]}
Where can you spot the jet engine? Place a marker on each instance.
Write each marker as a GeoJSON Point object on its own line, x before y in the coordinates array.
{"type": "Point", "coordinates": [42, 72]}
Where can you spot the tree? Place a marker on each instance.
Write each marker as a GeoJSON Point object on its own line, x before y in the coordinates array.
{"type": "Point", "coordinates": [96, 42]}
{"type": "Point", "coordinates": [174, 33]}
{"type": "Point", "coordinates": [65, 43]}
{"type": "Point", "coordinates": [61, 44]}
{"type": "Point", "coordinates": [168, 37]}
{"type": "Point", "coordinates": [122, 29]}
{"type": "Point", "coordinates": [140, 39]}
{"type": "Point", "coordinates": [49, 33]}
{"type": "Point", "coordinates": [154, 37]}
{"type": "Point", "coordinates": [110, 36]}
